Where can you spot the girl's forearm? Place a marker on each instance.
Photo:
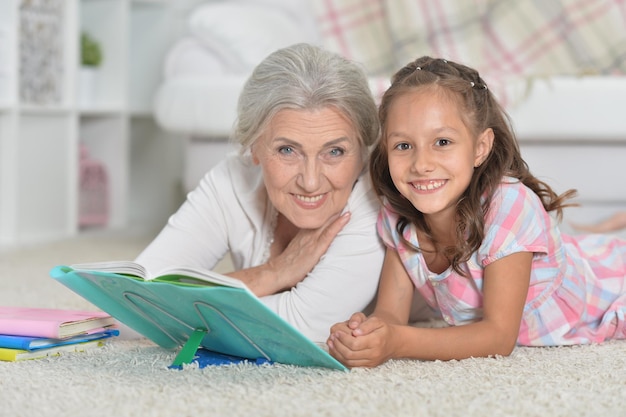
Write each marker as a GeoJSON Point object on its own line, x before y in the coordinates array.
{"type": "Point", "coordinates": [479, 339]}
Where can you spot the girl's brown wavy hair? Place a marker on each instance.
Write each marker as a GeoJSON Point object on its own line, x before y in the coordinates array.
{"type": "Point", "coordinates": [481, 111]}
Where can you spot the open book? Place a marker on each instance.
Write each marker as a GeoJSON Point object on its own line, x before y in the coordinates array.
{"type": "Point", "coordinates": [181, 275]}
{"type": "Point", "coordinates": [180, 305]}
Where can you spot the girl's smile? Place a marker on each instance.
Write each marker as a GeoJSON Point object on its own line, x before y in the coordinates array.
{"type": "Point", "coordinates": [428, 185]}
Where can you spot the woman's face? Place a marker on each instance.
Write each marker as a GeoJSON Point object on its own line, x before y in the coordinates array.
{"type": "Point", "coordinates": [310, 162]}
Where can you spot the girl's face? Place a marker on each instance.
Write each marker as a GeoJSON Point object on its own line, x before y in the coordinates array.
{"type": "Point", "coordinates": [310, 162]}
{"type": "Point", "coordinates": [431, 151]}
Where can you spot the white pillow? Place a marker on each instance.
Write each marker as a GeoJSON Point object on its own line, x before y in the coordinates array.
{"type": "Point", "coordinates": [189, 57]}
{"type": "Point", "coordinates": [243, 34]}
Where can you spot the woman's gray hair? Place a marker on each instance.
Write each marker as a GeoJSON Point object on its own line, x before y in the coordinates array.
{"type": "Point", "coordinates": [305, 77]}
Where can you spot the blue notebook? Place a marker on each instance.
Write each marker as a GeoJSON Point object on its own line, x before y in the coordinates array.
{"type": "Point", "coordinates": [33, 343]}
{"type": "Point", "coordinates": [226, 316]}
{"type": "Point", "coordinates": [204, 358]}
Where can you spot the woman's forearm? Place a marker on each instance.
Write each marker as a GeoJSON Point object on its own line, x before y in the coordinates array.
{"type": "Point", "coordinates": [262, 280]}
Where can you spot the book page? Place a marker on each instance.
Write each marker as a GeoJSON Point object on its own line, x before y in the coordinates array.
{"type": "Point", "coordinates": [203, 275]}
{"type": "Point", "coordinates": [117, 267]}
{"type": "Point", "coordinates": [178, 272]}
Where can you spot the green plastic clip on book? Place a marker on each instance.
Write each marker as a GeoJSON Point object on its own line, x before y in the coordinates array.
{"type": "Point", "coordinates": [193, 308]}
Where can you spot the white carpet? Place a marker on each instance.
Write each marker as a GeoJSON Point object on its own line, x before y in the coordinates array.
{"type": "Point", "coordinates": [130, 376]}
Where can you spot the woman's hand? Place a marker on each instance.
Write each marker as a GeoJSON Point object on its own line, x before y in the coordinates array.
{"type": "Point", "coordinates": [303, 252]}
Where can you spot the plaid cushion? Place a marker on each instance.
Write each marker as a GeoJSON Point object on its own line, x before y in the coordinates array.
{"type": "Point", "coordinates": [515, 37]}
{"type": "Point", "coordinates": [358, 30]}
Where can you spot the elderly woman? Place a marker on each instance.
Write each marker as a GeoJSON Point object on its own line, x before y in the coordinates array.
{"type": "Point", "coordinates": [294, 207]}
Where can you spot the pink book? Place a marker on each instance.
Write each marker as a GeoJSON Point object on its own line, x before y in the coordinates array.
{"type": "Point", "coordinates": [52, 323]}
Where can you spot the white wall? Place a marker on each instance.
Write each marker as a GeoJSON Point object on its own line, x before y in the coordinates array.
{"type": "Point", "coordinates": [157, 157]}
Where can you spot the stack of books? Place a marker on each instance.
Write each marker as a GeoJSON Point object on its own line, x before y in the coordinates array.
{"type": "Point", "coordinates": [32, 333]}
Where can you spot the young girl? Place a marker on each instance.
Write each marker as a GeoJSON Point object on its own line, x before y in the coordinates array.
{"type": "Point", "coordinates": [468, 225]}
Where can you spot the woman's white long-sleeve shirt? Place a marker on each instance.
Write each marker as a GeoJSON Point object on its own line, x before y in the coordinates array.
{"type": "Point", "coordinates": [230, 211]}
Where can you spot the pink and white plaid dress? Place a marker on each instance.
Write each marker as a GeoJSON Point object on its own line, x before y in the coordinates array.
{"type": "Point", "coordinates": [577, 291]}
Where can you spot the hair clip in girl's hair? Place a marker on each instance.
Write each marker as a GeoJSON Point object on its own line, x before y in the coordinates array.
{"type": "Point", "coordinates": [418, 68]}
{"type": "Point", "coordinates": [483, 86]}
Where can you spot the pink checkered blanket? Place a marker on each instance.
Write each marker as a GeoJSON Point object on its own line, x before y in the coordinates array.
{"type": "Point", "coordinates": [500, 38]}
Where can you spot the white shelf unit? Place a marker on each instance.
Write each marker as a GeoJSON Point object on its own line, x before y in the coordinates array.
{"type": "Point", "coordinates": [40, 139]}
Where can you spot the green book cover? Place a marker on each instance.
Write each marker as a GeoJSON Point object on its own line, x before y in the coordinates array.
{"type": "Point", "coordinates": [169, 308]}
